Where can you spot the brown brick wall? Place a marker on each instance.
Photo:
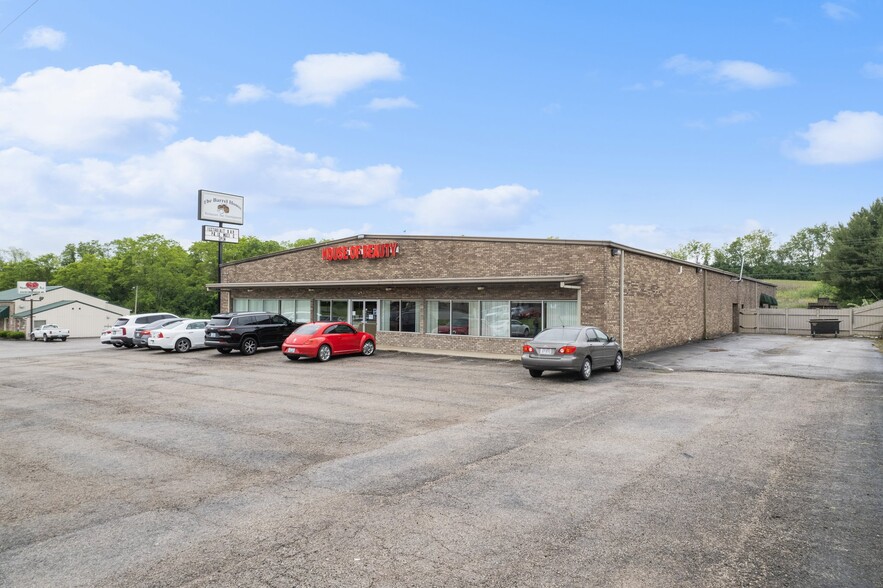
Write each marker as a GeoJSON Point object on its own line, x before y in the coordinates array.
{"type": "Point", "coordinates": [667, 302]}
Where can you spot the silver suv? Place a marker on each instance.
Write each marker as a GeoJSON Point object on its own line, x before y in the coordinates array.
{"type": "Point", "coordinates": [123, 331]}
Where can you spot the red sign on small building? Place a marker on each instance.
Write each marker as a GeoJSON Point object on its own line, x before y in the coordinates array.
{"type": "Point", "coordinates": [369, 251]}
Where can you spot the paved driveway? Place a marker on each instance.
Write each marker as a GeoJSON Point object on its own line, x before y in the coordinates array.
{"type": "Point", "coordinates": [746, 460]}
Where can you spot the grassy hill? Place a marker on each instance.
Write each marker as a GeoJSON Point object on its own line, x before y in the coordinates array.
{"type": "Point", "coordinates": [799, 293]}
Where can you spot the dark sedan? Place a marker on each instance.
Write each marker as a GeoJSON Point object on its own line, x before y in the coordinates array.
{"type": "Point", "coordinates": [571, 349]}
{"type": "Point", "coordinates": [142, 334]}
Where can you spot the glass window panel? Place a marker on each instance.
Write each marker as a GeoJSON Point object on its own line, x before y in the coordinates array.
{"type": "Point", "coordinates": [562, 313]}
{"type": "Point", "coordinates": [240, 304]}
{"type": "Point", "coordinates": [495, 318]}
{"type": "Point", "coordinates": [302, 311]}
{"type": "Point", "coordinates": [255, 304]}
{"type": "Point", "coordinates": [271, 306]}
{"type": "Point", "coordinates": [323, 310]}
{"type": "Point", "coordinates": [339, 309]}
{"type": "Point", "coordinates": [389, 315]}
{"type": "Point", "coordinates": [438, 316]}
{"type": "Point", "coordinates": [527, 314]}
{"type": "Point", "coordinates": [460, 318]}
{"type": "Point", "coordinates": [408, 316]}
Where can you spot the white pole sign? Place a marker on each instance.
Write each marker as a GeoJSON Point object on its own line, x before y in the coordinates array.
{"type": "Point", "coordinates": [32, 287]}
{"type": "Point", "coordinates": [221, 208]}
{"type": "Point", "coordinates": [220, 234]}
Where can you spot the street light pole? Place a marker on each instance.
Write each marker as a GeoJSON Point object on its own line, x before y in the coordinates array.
{"type": "Point", "coordinates": [136, 299]}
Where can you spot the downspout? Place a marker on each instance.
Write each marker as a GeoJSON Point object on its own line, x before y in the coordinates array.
{"type": "Point", "coordinates": [622, 300]}
{"type": "Point", "coordinates": [579, 298]}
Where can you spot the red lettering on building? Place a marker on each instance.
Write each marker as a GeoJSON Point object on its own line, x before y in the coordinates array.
{"type": "Point", "coordinates": [367, 251]}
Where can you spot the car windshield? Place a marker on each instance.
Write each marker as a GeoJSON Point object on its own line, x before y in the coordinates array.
{"type": "Point", "coordinates": [307, 329]}
{"type": "Point", "coordinates": [559, 334]}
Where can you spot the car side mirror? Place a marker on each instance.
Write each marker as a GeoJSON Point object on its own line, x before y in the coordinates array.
{"type": "Point", "coordinates": [612, 339]}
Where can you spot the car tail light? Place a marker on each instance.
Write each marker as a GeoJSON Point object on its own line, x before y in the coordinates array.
{"type": "Point", "coordinates": [226, 330]}
{"type": "Point", "coordinates": [159, 335]}
{"type": "Point", "coordinates": [526, 348]}
{"type": "Point", "coordinates": [567, 350]}
{"type": "Point", "coordinates": [124, 331]}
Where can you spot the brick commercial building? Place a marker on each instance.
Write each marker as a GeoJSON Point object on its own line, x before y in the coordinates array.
{"type": "Point", "coordinates": [488, 294]}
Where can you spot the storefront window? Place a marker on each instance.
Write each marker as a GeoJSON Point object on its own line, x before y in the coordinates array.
{"type": "Point", "coordinates": [453, 318]}
{"type": "Point", "coordinates": [398, 315]}
{"type": "Point", "coordinates": [296, 310]}
{"type": "Point", "coordinates": [562, 313]}
{"type": "Point", "coordinates": [331, 310]}
{"type": "Point", "coordinates": [495, 318]}
{"type": "Point", "coordinates": [526, 319]}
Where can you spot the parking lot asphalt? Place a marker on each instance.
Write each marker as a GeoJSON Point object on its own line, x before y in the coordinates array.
{"type": "Point", "coordinates": [748, 460]}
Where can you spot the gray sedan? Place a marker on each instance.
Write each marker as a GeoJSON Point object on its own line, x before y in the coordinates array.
{"type": "Point", "coordinates": [571, 349]}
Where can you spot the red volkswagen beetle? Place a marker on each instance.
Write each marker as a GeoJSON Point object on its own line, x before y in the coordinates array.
{"type": "Point", "coordinates": [324, 339]}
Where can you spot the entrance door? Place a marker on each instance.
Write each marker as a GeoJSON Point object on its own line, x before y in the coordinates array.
{"type": "Point", "coordinates": [365, 315]}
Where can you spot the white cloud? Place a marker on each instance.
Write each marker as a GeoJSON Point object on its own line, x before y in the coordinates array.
{"type": "Point", "coordinates": [324, 78]}
{"type": "Point", "coordinates": [873, 70]}
{"type": "Point", "coordinates": [84, 109]}
{"type": "Point", "coordinates": [648, 237]}
{"type": "Point", "coordinates": [44, 38]}
{"type": "Point", "coordinates": [391, 103]}
{"type": "Point", "coordinates": [837, 11]}
{"type": "Point", "coordinates": [736, 118]}
{"type": "Point", "coordinates": [98, 199]}
{"type": "Point", "coordinates": [733, 73]}
{"type": "Point", "coordinates": [248, 93]}
{"type": "Point", "coordinates": [642, 87]}
{"type": "Point", "coordinates": [852, 137]}
{"type": "Point", "coordinates": [461, 209]}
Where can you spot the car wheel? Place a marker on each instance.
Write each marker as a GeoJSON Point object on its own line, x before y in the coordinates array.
{"type": "Point", "coordinates": [249, 346]}
{"type": "Point", "coordinates": [224, 350]}
{"type": "Point", "coordinates": [182, 345]}
{"type": "Point", "coordinates": [64, 338]}
{"type": "Point", "coordinates": [33, 337]}
{"type": "Point", "coordinates": [585, 372]}
{"type": "Point", "coordinates": [368, 348]}
{"type": "Point", "coordinates": [117, 344]}
{"type": "Point", "coordinates": [617, 363]}
{"type": "Point", "coordinates": [535, 373]}
{"type": "Point", "coordinates": [324, 353]}
{"type": "Point", "coordinates": [45, 338]}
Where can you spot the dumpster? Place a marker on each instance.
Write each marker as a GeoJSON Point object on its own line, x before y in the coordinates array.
{"type": "Point", "coordinates": [824, 327]}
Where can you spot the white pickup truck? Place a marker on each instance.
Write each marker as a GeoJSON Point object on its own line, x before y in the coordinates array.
{"type": "Point", "coordinates": [49, 332]}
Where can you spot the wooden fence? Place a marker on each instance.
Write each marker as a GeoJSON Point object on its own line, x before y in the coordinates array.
{"type": "Point", "coordinates": [861, 321]}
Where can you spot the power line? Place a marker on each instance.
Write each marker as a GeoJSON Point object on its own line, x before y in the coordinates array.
{"type": "Point", "coordinates": [18, 17]}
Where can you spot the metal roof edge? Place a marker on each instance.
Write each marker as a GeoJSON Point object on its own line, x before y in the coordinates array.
{"type": "Point", "coordinates": [470, 281]}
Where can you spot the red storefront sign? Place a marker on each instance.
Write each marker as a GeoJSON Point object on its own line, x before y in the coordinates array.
{"type": "Point", "coordinates": [369, 251]}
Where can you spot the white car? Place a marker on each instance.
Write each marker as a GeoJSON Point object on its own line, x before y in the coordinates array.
{"type": "Point", "coordinates": [181, 337]}
{"type": "Point", "coordinates": [105, 337]}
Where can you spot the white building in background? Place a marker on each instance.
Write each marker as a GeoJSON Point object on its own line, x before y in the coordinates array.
{"type": "Point", "coordinates": [84, 315]}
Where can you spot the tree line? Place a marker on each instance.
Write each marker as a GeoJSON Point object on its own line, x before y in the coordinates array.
{"type": "Point", "coordinates": [159, 271]}
{"type": "Point", "coordinates": [170, 278]}
{"type": "Point", "coordinates": [848, 258]}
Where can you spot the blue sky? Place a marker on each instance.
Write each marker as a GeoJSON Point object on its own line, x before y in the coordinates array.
{"type": "Point", "coordinates": [648, 123]}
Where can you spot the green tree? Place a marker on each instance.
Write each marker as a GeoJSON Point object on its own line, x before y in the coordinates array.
{"type": "Point", "coordinates": [800, 255]}
{"type": "Point", "coordinates": [854, 262]}
{"type": "Point", "coordinates": [693, 250]}
{"type": "Point", "coordinates": [755, 250]}
{"type": "Point", "coordinates": [91, 275]}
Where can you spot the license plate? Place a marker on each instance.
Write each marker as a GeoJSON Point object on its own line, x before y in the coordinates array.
{"type": "Point", "coordinates": [546, 351]}
{"type": "Point", "coordinates": [211, 334]}
{"type": "Point", "coordinates": [292, 350]}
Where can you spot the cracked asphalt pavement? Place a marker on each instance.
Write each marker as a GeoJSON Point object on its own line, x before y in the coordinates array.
{"type": "Point", "coordinates": [747, 460]}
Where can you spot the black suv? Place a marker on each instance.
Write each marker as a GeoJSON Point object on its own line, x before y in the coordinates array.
{"type": "Point", "coordinates": [246, 331]}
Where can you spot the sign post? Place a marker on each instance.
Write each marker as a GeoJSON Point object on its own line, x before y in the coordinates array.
{"type": "Point", "coordinates": [31, 288]}
{"type": "Point", "coordinates": [221, 208]}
